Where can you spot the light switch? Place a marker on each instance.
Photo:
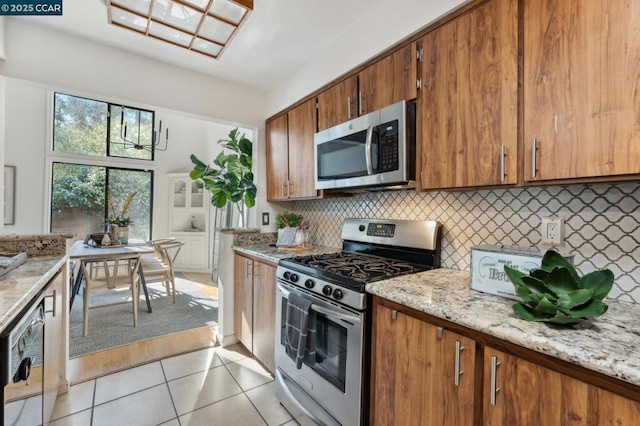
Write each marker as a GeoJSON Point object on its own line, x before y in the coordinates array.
{"type": "Point", "coordinates": [265, 218]}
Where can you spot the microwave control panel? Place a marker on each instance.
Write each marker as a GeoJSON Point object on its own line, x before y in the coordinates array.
{"type": "Point", "coordinates": [389, 148]}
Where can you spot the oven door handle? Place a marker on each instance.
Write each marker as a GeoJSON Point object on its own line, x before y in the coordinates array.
{"type": "Point", "coordinates": [352, 319]}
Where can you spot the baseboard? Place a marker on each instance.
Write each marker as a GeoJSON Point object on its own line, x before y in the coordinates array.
{"type": "Point", "coordinates": [226, 340]}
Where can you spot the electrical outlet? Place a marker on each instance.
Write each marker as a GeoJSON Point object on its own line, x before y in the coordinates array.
{"type": "Point", "coordinates": [552, 231]}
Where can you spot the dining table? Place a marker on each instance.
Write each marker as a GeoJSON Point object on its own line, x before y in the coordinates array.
{"type": "Point", "coordinates": [84, 251]}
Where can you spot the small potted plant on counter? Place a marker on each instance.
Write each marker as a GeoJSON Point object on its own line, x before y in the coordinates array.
{"type": "Point", "coordinates": [288, 219]}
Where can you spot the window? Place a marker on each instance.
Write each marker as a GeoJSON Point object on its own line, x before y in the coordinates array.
{"type": "Point", "coordinates": [79, 201]}
{"type": "Point", "coordinates": [83, 126]}
{"type": "Point", "coordinates": [97, 146]}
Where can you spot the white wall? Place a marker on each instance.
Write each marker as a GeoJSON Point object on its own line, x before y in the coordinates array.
{"type": "Point", "coordinates": [371, 33]}
{"type": "Point", "coordinates": [60, 60]}
{"type": "Point", "coordinates": [198, 110]}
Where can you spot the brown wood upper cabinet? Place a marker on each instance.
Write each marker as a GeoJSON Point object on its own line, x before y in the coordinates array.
{"type": "Point", "coordinates": [290, 172]}
{"type": "Point", "coordinates": [467, 108]}
{"type": "Point", "coordinates": [581, 92]}
{"type": "Point", "coordinates": [338, 104]}
{"type": "Point", "coordinates": [385, 82]}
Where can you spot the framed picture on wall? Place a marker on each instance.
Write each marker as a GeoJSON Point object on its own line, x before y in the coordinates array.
{"type": "Point", "coordinates": [9, 194]}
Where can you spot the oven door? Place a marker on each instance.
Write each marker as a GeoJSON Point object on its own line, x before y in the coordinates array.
{"type": "Point", "coordinates": [330, 391]}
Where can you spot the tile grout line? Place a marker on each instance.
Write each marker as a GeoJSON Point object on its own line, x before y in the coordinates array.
{"type": "Point", "coordinates": [93, 399]}
{"type": "Point", "coordinates": [166, 382]}
{"type": "Point", "coordinates": [245, 393]}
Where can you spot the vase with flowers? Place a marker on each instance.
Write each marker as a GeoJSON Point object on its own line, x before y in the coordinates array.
{"type": "Point", "coordinates": [118, 223]}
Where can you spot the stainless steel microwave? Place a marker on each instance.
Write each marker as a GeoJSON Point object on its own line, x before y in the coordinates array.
{"type": "Point", "coordinates": [373, 151]}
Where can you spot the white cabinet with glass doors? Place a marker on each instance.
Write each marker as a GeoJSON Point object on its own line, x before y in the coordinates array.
{"type": "Point", "coordinates": [189, 221]}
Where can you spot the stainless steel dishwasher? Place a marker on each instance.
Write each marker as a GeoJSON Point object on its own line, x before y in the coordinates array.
{"type": "Point", "coordinates": [21, 345]}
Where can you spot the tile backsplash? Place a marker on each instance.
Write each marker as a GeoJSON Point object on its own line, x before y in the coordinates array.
{"type": "Point", "coordinates": [602, 222]}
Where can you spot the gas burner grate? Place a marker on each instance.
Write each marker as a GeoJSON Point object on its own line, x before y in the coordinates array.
{"type": "Point", "coordinates": [357, 267]}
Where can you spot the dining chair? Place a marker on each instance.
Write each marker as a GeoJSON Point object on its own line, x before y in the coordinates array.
{"type": "Point", "coordinates": [112, 278]}
{"type": "Point", "coordinates": [160, 268]}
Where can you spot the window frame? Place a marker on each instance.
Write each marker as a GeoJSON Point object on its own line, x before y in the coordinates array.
{"type": "Point", "coordinates": [108, 129]}
{"type": "Point", "coordinates": [113, 162]}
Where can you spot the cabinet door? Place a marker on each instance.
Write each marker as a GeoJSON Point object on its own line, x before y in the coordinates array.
{"type": "Point", "coordinates": [338, 103]}
{"type": "Point", "coordinates": [194, 254]}
{"type": "Point", "coordinates": [264, 313]}
{"type": "Point", "coordinates": [467, 110]}
{"type": "Point", "coordinates": [389, 80]}
{"type": "Point", "coordinates": [302, 127]}
{"type": "Point", "coordinates": [529, 394]}
{"type": "Point", "coordinates": [277, 158]}
{"type": "Point", "coordinates": [414, 372]}
{"type": "Point", "coordinates": [243, 300]}
{"type": "Point", "coordinates": [581, 92]}
{"type": "Point", "coordinates": [53, 344]}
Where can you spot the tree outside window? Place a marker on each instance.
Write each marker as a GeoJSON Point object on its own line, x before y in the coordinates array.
{"type": "Point", "coordinates": [96, 129]}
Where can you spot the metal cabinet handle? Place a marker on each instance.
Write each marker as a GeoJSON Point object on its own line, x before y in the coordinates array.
{"type": "Point", "coordinates": [456, 370]}
{"type": "Point", "coordinates": [285, 189]}
{"type": "Point", "coordinates": [249, 268]}
{"type": "Point", "coordinates": [494, 390]}
{"type": "Point", "coordinates": [360, 103]}
{"type": "Point", "coordinates": [534, 149]}
{"type": "Point", "coordinates": [394, 315]}
{"type": "Point", "coordinates": [53, 309]}
{"type": "Point", "coordinates": [290, 191]}
{"type": "Point", "coordinates": [502, 165]}
{"type": "Point", "coordinates": [349, 107]}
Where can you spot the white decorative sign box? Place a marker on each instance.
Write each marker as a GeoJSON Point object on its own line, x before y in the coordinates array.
{"type": "Point", "coordinates": [488, 262]}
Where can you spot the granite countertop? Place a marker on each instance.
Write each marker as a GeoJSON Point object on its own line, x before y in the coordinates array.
{"type": "Point", "coordinates": [609, 344]}
{"type": "Point", "coordinates": [273, 254]}
{"type": "Point", "coordinates": [18, 287]}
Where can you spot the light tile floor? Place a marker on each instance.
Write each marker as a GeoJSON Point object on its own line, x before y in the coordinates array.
{"type": "Point", "coordinates": [217, 386]}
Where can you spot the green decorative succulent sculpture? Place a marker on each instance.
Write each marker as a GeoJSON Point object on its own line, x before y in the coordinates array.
{"type": "Point", "coordinates": [555, 292]}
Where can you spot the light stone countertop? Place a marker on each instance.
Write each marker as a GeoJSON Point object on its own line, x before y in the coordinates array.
{"type": "Point", "coordinates": [609, 344]}
{"type": "Point", "coordinates": [20, 286]}
{"type": "Point", "coordinates": [272, 254]}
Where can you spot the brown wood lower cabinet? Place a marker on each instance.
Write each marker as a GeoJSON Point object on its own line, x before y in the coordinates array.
{"type": "Point", "coordinates": [519, 392]}
{"type": "Point", "coordinates": [254, 307]}
{"type": "Point", "coordinates": [417, 357]}
{"type": "Point", "coordinates": [423, 374]}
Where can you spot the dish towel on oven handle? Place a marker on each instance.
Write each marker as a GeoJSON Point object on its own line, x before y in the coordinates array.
{"type": "Point", "coordinates": [300, 335]}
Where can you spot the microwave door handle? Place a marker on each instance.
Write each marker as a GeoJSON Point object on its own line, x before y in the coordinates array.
{"type": "Point", "coordinates": [368, 150]}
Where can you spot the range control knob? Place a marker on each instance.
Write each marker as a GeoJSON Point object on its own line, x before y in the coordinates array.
{"type": "Point", "coordinates": [294, 278]}
{"type": "Point", "coordinates": [286, 275]}
{"type": "Point", "coordinates": [326, 290]}
{"type": "Point", "coordinates": [337, 294]}
{"type": "Point", "coordinates": [361, 228]}
{"type": "Point", "coordinates": [309, 283]}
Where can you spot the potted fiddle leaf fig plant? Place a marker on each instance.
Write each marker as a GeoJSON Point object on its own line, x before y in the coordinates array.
{"type": "Point", "coordinates": [555, 293]}
{"type": "Point", "coordinates": [229, 179]}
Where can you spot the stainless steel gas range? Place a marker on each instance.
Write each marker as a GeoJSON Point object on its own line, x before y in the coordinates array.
{"type": "Point", "coordinates": [333, 390]}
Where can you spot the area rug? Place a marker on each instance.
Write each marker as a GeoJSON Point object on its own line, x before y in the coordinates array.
{"type": "Point", "coordinates": [112, 326]}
